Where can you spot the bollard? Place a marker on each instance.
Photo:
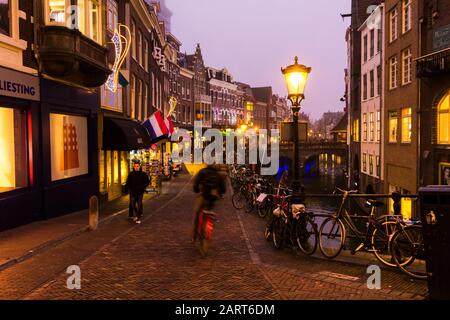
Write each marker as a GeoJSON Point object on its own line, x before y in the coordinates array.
{"type": "Point", "coordinates": [93, 213]}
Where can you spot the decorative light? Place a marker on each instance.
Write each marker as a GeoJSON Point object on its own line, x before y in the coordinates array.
{"type": "Point", "coordinates": [121, 51]}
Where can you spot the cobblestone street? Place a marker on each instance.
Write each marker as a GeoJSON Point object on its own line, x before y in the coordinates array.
{"type": "Point", "coordinates": [156, 260]}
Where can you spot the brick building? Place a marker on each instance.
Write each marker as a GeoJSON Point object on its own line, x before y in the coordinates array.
{"type": "Point", "coordinates": [433, 70]}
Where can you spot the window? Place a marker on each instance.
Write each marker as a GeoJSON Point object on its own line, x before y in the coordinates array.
{"type": "Point", "coordinates": [57, 11]}
{"type": "Point", "coordinates": [365, 87]}
{"type": "Point", "coordinates": [372, 83]}
{"type": "Point", "coordinates": [393, 122]}
{"type": "Point", "coordinates": [406, 16]}
{"type": "Point", "coordinates": [407, 66]}
{"type": "Point", "coordinates": [139, 48]}
{"type": "Point", "coordinates": [13, 149]}
{"type": "Point", "coordinates": [393, 72]}
{"type": "Point", "coordinates": [365, 127]}
{"type": "Point", "coordinates": [393, 23]}
{"type": "Point", "coordinates": [112, 15]}
{"type": "Point", "coordinates": [443, 121]}
{"type": "Point", "coordinates": [145, 111]}
{"type": "Point", "coordinates": [94, 12]}
{"type": "Point", "coordinates": [68, 146]}
{"type": "Point", "coordinates": [365, 48]}
{"type": "Point", "coordinates": [139, 102]}
{"type": "Point", "coordinates": [5, 19]}
{"type": "Point", "coordinates": [379, 80]}
{"type": "Point", "coordinates": [378, 164]}
{"type": "Point", "coordinates": [372, 43]}
{"type": "Point", "coordinates": [133, 97]}
{"type": "Point", "coordinates": [406, 125]}
{"type": "Point", "coordinates": [111, 100]}
{"type": "Point", "coordinates": [364, 159]}
{"type": "Point", "coordinates": [371, 164]}
{"type": "Point", "coordinates": [145, 55]}
{"type": "Point", "coordinates": [372, 126]}
{"type": "Point", "coordinates": [379, 40]}
{"type": "Point", "coordinates": [133, 40]}
{"type": "Point", "coordinates": [378, 126]}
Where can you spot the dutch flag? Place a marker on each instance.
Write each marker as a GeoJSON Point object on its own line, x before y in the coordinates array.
{"type": "Point", "coordinates": [169, 126]}
{"type": "Point", "coordinates": [156, 126]}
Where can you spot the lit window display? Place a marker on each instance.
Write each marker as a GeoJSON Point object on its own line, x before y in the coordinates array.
{"type": "Point", "coordinates": [69, 146]}
{"type": "Point", "coordinates": [444, 120]}
{"type": "Point", "coordinates": [13, 149]}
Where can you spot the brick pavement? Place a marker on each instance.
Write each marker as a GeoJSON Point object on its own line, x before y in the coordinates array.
{"type": "Point", "coordinates": [156, 261]}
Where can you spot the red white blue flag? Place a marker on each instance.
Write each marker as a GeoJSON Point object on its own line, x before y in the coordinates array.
{"type": "Point", "coordinates": [169, 126]}
{"type": "Point", "coordinates": [156, 126]}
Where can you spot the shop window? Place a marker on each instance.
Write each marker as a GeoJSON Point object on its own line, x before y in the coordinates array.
{"type": "Point", "coordinates": [68, 146]}
{"type": "Point", "coordinates": [444, 120]}
{"type": "Point", "coordinates": [124, 166]}
{"type": "Point", "coordinates": [116, 167]}
{"type": "Point", "coordinates": [5, 18]}
{"type": "Point", "coordinates": [393, 122]}
{"type": "Point", "coordinates": [101, 171]}
{"type": "Point", "coordinates": [406, 125]}
{"type": "Point", "coordinates": [13, 149]}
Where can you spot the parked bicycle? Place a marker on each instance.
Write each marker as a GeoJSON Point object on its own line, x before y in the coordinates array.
{"type": "Point", "coordinates": [408, 251]}
{"type": "Point", "coordinates": [375, 239]}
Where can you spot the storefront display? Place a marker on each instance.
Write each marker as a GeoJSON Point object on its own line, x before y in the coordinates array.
{"type": "Point", "coordinates": [69, 146]}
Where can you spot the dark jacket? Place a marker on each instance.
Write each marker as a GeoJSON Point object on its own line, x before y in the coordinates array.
{"type": "Point", "coordinates": [137, 182]}
{"type": "Point", "coordinates": [207, 180]}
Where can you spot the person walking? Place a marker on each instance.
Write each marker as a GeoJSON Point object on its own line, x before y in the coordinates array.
{"type": "Point", "coordinates": [136, 184]}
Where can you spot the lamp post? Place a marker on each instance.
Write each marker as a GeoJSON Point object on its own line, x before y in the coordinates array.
{"type": "Point", "coordinates": [296, 76]}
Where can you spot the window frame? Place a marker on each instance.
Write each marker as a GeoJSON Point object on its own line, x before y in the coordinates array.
{"type": "Point", "coordinates": [393, 72]}
{"type": "Point", "coordinates": [393, 118]}
{"type": "Point", "coordinates": [440, 111]}
{"type": "Point", "coordinates": [408, 117]}
{"type": "Point", "coordinates": [407, 66]}
{"type": "Point", "coordinates": [406, 16]}
{"type": "Point", "coordinates": [393, 24]}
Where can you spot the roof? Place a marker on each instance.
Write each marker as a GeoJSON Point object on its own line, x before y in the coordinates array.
{"type": "Point", "coordinates": [342, 124]}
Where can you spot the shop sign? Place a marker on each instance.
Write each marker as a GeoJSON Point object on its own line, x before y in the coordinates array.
{"type": "Point", "coordinates": [441, 38]}
{"type": "Point", "coordinates": [19, 85]}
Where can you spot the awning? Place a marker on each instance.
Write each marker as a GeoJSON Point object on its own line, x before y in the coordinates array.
{"type": "Point", "coordinates": [124, 135]}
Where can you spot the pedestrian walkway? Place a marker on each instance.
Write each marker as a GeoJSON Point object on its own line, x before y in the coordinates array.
{"type": "Point", "coordinates": [23, 242]}
{"type": "Point", "coordinates": [157, 261]}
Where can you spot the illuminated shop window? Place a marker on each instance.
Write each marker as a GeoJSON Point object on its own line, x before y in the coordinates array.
{"type": "Point", "coordinates": [444, 120]}
{"type": "Point", "coordinates": [13, 149]}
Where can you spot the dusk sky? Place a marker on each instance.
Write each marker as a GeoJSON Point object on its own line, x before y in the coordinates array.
{"type": "Point", "coordinates": [253, 39]}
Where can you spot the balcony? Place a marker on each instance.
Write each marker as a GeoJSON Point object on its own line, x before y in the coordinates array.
{"type": "Point", "coordinates": [434, 64]}
{"type": "Point", "coordinates": [68, 55]}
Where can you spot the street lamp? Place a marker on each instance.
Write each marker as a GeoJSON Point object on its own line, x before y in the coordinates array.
{"type": "Point", "coordinates": [296, 76]}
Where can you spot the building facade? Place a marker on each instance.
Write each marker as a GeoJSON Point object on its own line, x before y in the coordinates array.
{"type": "Point", "coordinates": [401, 100]}
{"type": "Point", "coordinates": [263, 107]}
{"type": "Point", "coordinates": [227, 103]}
{"type": "Point", "coordinates": [433, 71]}
{"type": "Point", "coordinates": [372, 86]}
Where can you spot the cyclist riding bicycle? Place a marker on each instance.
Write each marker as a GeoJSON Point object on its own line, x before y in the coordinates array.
{"type": "Point", "coordinates": [210, 185]}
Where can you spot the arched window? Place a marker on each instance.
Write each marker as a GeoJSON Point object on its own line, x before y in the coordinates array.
{"type": "Point", "coordinates": [443, 120]}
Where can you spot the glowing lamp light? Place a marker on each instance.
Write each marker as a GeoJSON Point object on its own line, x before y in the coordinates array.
{"type": "Point", "coordinates": [296, 77]}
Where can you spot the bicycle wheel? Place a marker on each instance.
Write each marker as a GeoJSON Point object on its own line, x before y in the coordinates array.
{"type": "Point", "coordinates": [238, 200]}
{"type": "Point", "coordinates": [408, 251]}
{"type": "Point", "coordinates": [277, 233]}
{"type": "Point", "coordinates": [250, 204]}
{"type": "Point", "coordinates": [380, 242]}
{"type": "Point", "coordinates": [331, 237]}
{"type": "Point", "coordinates": [264, 209]}
{"type": "Point", "coordinates": [306, 236]}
